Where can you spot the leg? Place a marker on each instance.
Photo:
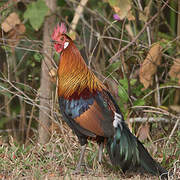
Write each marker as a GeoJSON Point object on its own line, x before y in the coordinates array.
{"type": "Point", "coordinates": [101, 146]}
{"type": "Point", "coordinates": [100, 152]}
{"type": "Point", "coordinates": [81, 159]}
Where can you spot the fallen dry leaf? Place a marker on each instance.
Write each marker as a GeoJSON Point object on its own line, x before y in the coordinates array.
{"type": "Point", "coordinates": [10, 22]}
{"type": "Point", "coordinates": [175, 70]}
{"type": "Point", "coordinates": [149, 66]}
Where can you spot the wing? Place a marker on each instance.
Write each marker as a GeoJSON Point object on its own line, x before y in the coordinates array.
{"type": "Point", "coordinates": [93, 115]}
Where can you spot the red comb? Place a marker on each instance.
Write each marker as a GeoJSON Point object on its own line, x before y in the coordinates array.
{"type": "Point", "coordinates": [60, 29]}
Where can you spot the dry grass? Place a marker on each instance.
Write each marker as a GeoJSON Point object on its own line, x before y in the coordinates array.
{"type": "Point", "coordinates": [57, 159]}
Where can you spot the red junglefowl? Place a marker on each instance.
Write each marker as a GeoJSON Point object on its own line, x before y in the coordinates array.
{"type": "Point", "coordinates": [91, 112]}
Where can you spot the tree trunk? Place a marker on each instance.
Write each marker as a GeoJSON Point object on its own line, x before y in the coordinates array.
{"type": "Point", "coordinates": [177, 94]}
{"type": "Point", "coordinates": [45, 87]}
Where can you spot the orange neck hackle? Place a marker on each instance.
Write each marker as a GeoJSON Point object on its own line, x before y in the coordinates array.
{"type": "Point", "coordinates": [74, 77]}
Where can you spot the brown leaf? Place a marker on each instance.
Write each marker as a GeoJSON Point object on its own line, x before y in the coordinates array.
{"type": "Point", "coordinates": [15, 35]}
{"type": "Point", "coordinates": [143, 132]}
{"type": "Point", "coordinates": [175, 70]}
{"type": "Point", "coordinates": [55, 127]}
{"type": "Point", "coordinates": [53, 74]}
{"type": "Point", "coordinates": [130, 16]}
{"type": "Point", "coordinates": [144, 15]}
{"type": "Point", "coordinates": [149, 66]}
{"type": "Point", "coordinates": [14, 28]}
{"type": "Point", "coordinates": [123, 11]}
{"type": "Point", "coordinates": [10, 22]}
{"type": "Point", "coordinates": [175, 108]}
{"type": "Point", "coordinates": [147, 9]}
{"type": "Point", "coordinates": [122, 8]}
{"type": "Point", "coordinates": [129, 30]}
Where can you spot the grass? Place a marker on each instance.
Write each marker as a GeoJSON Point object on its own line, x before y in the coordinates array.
{"type": "Point", "coordinates": [57, 159]}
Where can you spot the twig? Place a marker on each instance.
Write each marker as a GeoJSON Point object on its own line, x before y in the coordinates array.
{"type": "Point", "coordinates": [147, 28]}
{"type": "Point", "coordinates": [156, 110]}
{"type": "Point", "coordinates": [29, 123]}
{"type": "Point", "coordinates": [78, 13]}
{"type": "Point", "coordinates": [156, 77]}
{"type": "Point", "coordinates": [178, 87]}
{"type": "Point", "coordinates": [173, 130]}
{"type": "Point", "coordinates": [177, 93]}
{"type": "Point", "coordinates": [10, 130]}
{"type": "Point", "coordinates": [174, 10]}
{"type": "Point", "coordinates": [157, 91]}
{"type": "Point", "coordinates": [114, 58]}
{"type": "Point", "coordinates": [148, 119]}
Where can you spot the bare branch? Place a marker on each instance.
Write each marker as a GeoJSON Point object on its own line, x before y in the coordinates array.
{"type": "Point", "coordinates": [114, 58]}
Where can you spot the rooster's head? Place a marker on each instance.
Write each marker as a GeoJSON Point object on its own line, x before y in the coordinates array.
{"type": "Point", "coordinates": [59, 38]}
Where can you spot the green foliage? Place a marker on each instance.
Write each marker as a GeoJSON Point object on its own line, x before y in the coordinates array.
{"type": "Point", "coordinates": [112, 2]}
{"type": "Point", "coordinates": [101, 7]}
{"type": "Point", "coordinates": [173, 21]}
{"type": "Point", "coordinates": [38, 57]}
{"type": "Point", "coordinates": [3, 90]}
{"type": "Point", "coordinates": [178, 144]}
{"type": "Point", "coordinates": [61, 3]}
{"type": "Point", "coordinates": [36, 13]}
{"type": "Point", "coordinates": [113, 67]}
{"type": "Point", "coordinates": [56, 57]}
{"type": "Point", "coordinates": [135, 90]}
{"type": "Point", "coordinates": [22, 53]}
{"type": "Point", "coordinates": [139, 102]}
{"type": "Point", "coordinates": [3, 121]}
{"type": "Point", "coordinates": [122, 90]}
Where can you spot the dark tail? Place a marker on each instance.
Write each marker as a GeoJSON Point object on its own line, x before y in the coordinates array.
{"type": "Point", "coordinates": [127, 152]}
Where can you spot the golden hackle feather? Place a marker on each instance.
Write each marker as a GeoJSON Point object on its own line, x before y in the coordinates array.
{"type": "Point", "coordinates": [74, 75]}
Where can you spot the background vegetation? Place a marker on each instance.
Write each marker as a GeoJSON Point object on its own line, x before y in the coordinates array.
{"type": "Point", "coordinates": [133, 47]}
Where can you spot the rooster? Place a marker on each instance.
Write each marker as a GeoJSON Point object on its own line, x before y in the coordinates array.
{"type": "Point", "coordinates": [89, 109]}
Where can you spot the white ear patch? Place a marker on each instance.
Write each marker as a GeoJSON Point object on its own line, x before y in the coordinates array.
{"type": "Point", "coordinates": [66, 45]}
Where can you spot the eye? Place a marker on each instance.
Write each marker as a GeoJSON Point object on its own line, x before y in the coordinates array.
{"type": "Point", "coordinates": [62, 38]}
